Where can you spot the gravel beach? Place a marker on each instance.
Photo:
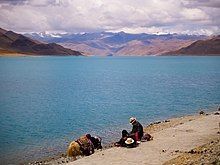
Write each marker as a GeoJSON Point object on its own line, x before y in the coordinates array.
{"type": "Point", "coordinates": [185, 140]}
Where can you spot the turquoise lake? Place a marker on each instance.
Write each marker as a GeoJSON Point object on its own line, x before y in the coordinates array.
{"type": "Point", "coordinates": [46, 102]}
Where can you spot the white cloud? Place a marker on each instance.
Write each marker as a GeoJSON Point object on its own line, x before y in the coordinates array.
{"type": "Point", "coordinates": [194, 14]}
{"type": "Point", "coordinates": [153, 16]}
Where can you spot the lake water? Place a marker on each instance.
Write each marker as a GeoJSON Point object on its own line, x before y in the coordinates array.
{"type": "Point", "coordinates": [46, 102]}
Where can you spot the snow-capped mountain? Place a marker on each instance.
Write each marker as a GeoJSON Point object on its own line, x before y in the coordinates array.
{"type": "Point", "coordinates": [121, 43]}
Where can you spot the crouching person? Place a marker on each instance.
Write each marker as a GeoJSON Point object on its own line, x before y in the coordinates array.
{"type": "Point", "coordinates": [85, 145]}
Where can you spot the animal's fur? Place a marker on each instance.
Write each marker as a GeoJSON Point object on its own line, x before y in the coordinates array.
{"type": "Point", "coordinates": [84, 146]}
{"type": "Point", "coordinates": [74, 149]}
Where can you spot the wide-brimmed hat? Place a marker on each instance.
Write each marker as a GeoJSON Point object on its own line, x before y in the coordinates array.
{"type": "Point", "coordinates": [132, 120]}
{"type": "Point", "coordinates": [129, 141]}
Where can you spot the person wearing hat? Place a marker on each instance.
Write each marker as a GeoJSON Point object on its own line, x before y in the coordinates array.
{"type": "Point", "coordinates": [136, 134]}
{"type": "Point", "coordinates": [137, 129]}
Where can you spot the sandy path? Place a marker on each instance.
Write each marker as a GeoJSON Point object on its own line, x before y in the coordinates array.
{"type": "Point", "coordinates": [182, 137]}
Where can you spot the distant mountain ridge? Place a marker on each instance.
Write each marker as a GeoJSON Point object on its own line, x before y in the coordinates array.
{"type": "Point", "coordinates": [121, 43]}
{"type": "Point", "coordinates": [200, 47]}
{"type": "Point", "coordinates": [11, 42]}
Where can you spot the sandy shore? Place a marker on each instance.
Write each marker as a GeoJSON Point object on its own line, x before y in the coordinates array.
{"type": "Point", "coordinates": [175, 141]}
{"type": "Point", "coordinates": [7, 53]}
{"type": "Point", "coordinates": [13, 55]}
{"type": "Point", "coordinates": [18, 55]}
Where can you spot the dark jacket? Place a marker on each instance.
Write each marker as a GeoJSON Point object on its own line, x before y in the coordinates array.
{"type": "Point", "coordinates": [137, 127]}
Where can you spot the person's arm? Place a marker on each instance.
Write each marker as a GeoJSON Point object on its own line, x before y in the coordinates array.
{"type": "Point", "coordinates": [133, 131]}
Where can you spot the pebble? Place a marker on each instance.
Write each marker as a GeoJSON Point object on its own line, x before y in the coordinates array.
{"type": "Point", "coordinates": [201, 112]}
{"type": "Point", "coordinates": [192, 152]}
{"type": "Point", "coordinates": [157, 122]}
{"type": "Point", "coordinates": [205, 150]}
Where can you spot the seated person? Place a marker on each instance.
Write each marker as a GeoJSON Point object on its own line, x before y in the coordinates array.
{"type": "Point", "coordinates": [121, 142]}
{"type": "Point", "coordinates": [136, 133]}
{"type": "Point", "coordinates": [137, 129]}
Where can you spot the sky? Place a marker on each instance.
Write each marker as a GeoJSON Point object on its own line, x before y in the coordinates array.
{"type": "Point", "coordinates": [131, 16]}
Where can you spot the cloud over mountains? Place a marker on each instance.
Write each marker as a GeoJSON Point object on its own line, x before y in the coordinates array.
{"type": "Point", "coordinates": [171, 16]}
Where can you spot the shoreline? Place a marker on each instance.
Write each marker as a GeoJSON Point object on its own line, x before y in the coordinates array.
{"type": "Point", "coordinates": [35, 55]}
{"type": "Point", "coordinates": [14, 55]}
{"type": "Point", "coordinates": [152, 128]}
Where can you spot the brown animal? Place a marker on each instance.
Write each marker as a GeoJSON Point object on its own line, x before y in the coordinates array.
{"type": "Point", "coordinates": [74, 149]}
{"type": "Point", "coordinates": [85, 145]}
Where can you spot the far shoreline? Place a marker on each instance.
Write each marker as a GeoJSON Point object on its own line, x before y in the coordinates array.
{"type": "Point", "coordinates": [34, 55]}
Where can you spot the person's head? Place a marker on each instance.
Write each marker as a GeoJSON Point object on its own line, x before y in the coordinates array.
{"type": "Point", "coordinates": [132, 120]}
{"type": "Point", "coordinates": [124, 133]}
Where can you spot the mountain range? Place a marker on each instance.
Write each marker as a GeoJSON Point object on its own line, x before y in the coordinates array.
{"type": "Point", "coordinates": [121, 43]}
{"type": "Point", "coordinates": [14, 43]}
{"type": "Point", "coordinates": [107, 44]}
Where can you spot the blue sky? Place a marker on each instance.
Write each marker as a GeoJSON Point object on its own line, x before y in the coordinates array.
{"type": "Point", "coordinates": [132, 16]}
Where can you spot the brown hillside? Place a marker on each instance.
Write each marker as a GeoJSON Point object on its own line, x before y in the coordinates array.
{"type": "Point", "coordinates": [12, 42]}
{"type": "Point", "coordinates": [206, 47]}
